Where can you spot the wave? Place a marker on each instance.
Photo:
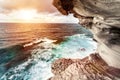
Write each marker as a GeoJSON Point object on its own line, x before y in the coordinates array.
{"type": "Point", "coordinates": [43, 52]}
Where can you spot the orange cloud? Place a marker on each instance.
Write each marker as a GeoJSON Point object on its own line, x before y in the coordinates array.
{"type": "Point", "coordinates": [40, 5]}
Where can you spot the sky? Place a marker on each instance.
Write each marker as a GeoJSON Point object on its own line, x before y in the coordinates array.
{"type": "Point", "coordinates": [39, 11]}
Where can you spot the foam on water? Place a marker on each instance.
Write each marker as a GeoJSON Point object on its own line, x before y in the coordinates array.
{"type": "Point", "coordinates": [38, 66]}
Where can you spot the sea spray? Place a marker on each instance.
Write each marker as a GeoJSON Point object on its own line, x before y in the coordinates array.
{"type": "Point", "coordinates": [38, 66]}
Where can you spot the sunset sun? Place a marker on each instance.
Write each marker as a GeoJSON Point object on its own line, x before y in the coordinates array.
{"type": "Point", "coordinates": [27, 14]}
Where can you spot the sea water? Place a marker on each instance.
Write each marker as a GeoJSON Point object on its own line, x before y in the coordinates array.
{"type": "Point", "coordinates": [27, 50]}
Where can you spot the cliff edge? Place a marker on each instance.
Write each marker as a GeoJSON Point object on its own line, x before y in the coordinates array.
{"type": "Point", "coordinates": [102, 17]}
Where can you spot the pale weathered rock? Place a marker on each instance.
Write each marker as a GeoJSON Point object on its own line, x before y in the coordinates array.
{"type": "Point", "coordinates": [102, 17]}
{"type": "Point", "coordinates": [85, 69]}
{"type": "Point", "coordinates": [60, 65]}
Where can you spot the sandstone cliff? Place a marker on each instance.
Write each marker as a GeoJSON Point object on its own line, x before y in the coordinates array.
{"type": "Point", "coordinates": [89, 68]}
{"type": "Point", "coordinates": [102, 17]}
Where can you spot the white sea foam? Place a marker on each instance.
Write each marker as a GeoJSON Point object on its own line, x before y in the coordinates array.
{"type": "Point", "coordinates": [38, 66]}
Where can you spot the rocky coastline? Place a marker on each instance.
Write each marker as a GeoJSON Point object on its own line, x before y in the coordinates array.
{"type": "Point", "coordinates": [89, 68]}
{"type": "Point", "coordinates": [102, 18]}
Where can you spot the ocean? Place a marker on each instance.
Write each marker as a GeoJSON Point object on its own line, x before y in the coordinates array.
{"type": "Point", "coordinates": [27, 50]}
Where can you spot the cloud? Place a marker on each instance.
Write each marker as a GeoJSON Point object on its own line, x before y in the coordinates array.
{"type": "Point", "coordinates": [40, 5]}
{"type": "Point", "coordinates": [56, 18]}
{"type": "Point", "coordinates": [43, 17]}
{"type": "Point", "coordinates": [46, 12]}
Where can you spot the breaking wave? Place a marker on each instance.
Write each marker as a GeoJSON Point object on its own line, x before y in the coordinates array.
{"type": "Point", "coordinates": [45, 51]}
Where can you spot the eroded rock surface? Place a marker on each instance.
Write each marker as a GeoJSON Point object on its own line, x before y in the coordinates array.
{"type": "Point", "coordinates": [89, 68]}
{"type": "Point", "coordinates": [102, 17]}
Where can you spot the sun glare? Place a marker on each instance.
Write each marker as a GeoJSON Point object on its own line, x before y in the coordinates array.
{"type": "Point", "coordinates": [27, 14]}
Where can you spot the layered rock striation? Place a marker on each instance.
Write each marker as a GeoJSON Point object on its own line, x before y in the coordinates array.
{"type": "Point", "coordinates": [102, 17]}
{"type": "Point", "coordinates": [89, 68]}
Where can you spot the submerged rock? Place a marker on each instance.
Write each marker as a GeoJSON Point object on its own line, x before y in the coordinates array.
{"type": "Point", "coordinates": [102, 17]}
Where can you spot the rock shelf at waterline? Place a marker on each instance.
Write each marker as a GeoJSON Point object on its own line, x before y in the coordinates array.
{"type": "Point", "coordinates": [102, 17]}
{"type": "Point", "coordinates": [43, 54]}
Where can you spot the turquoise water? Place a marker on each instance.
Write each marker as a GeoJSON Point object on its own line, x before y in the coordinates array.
{"type": "Point", "coordinates": [32, 60]}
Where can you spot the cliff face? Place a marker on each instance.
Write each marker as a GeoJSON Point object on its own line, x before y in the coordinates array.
{"type": "Point", "coordinates": [102, 17]}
